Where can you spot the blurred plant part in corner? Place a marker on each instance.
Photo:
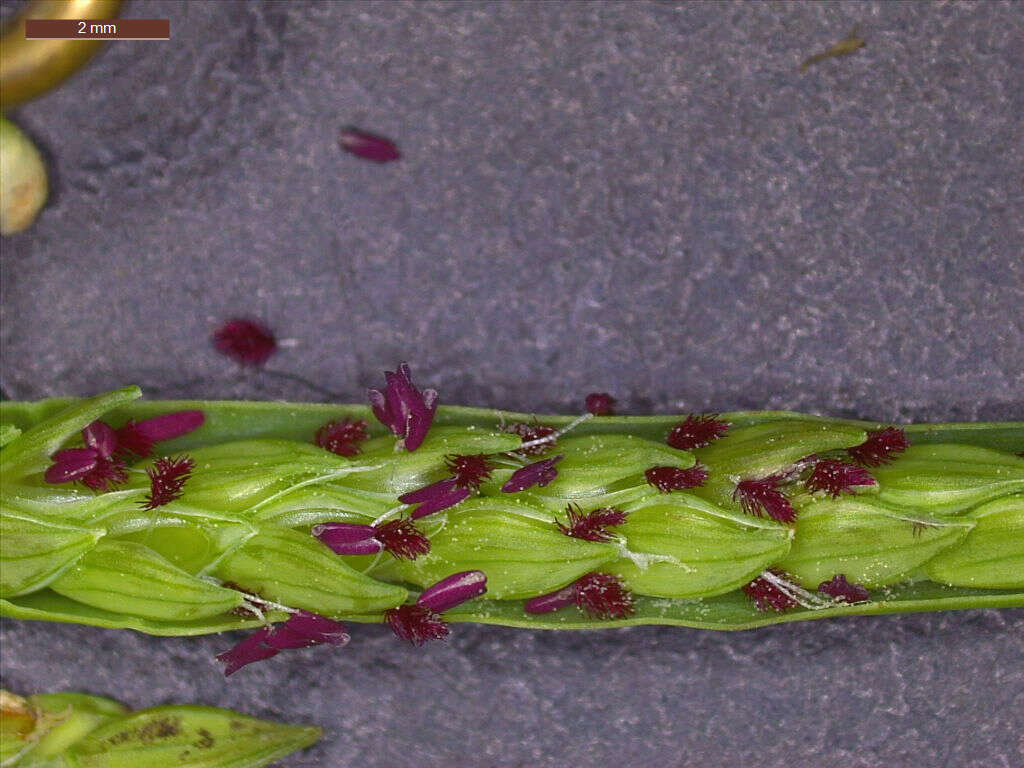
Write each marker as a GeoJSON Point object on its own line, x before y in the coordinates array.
{"type": "Point", "coordinates": [30, 68]}
{"type": "Point", "coordinates": [59, 730]}
{"type": "Point", "coordinates": [23, 182]}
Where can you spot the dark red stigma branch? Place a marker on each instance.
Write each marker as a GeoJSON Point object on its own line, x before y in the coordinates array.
{"type": "Point", "coordinates": [342, 436]}
{"type": "Point", "coordinates": [422, 621]}
{"type": "Point", "coordinates": [167, 478]}
{"type": "Point", "coordinates": [668, 479]}
{"type": "Point", "coordinates": [593, 525]}
{"type": "Point", "coordinates": [531, 432]}
{"type": "Point", "coordinates": [597, 595]}
{"type": "Point", "coordinates": [247, 342]}
{"type": "Point", "coordinates": [763, 497]}
{"type": "Point", "coordinates": [769, 596]}
{"type": "Point", "coordinates": [837, 477]}
{"type": "Point", "coordinates": [881, 447]}
{"type": "Point", "coordinates": [697, 432]}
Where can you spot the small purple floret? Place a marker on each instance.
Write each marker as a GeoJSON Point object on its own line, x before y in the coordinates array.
{"type": "Point", "coordinates": [348, 538]}
{"type": "Point", "coordinates": [540, 473]}
{"type": "Point", "coordinates": [253, 648]}
{"type": "Point", "coordinates": [368, 146]}
{"type": "Point", "coordinates": [435, 497]}
{"type": "Point", "coordinates": [302, 630]}
{"type": "Point", "coordinates": [454, 590]}
{"type": "Point", "coordinates": [403, 409]}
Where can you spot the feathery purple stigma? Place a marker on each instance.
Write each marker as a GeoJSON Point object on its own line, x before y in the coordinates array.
{"type": "Point", "coordinates": [421, 622]}
{"type": "Point", "coordinates": [416, 624]}
{"type": "Point", "coordinates": [342, 436]}
{"type": "Point", "coordinates": [880, 448]}
{"type": "Point", "coordinates": [837, 477]}
{"type": "Point", "coordinates": [841, 589]}
{"type": "Point", "coordinates": [402, 539]}
{"type": "Point", "coordinates": [139, 437]}
{"type": "Point", "coordinates": [697, 431]}
{"type": "Point", "coordinates": [435, 497]}
{"type": "Point", "coordinates": [668, 479]}
{"type": "Point", "coordinates": [368, 146]}
{"type": "Point", "coordinates": [167, 478]}
{"type": "Point", "coordinates": [600, 404]}
{"type": "Point", "coordinates": [539, 473]}
{"type": "Point", "coordinates": [245, 341]}
{"type": "Point", "coordinates": [469, 471]}
{"type": "Point", "coordinates": [402, 408]}
{"type": "Point", "coordinates": [598, 595]}
{"type": "Point", "coordinates": [591, 526]}
{"type": "Point", "coordinates": [531, 432]}
{"type": "Point", "coordinates": [767, 595]}
{"type": "Point", "coordinates": [763, 497]}
{"type": "Point", "coordinates": [302, 630]}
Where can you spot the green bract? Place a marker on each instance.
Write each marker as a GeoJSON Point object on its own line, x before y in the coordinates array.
{"type": "Point", "coordinates": [518, 547]}
{"type": "Point", "coordinates": [872, 544]}
{"type": "Point", "coordinates": [680, 545]}
{"type": "Point", "coordinates": [943, 527]}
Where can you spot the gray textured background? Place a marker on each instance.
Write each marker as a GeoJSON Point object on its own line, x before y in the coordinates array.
{"type": "Point", "coordinates": [648, 199]}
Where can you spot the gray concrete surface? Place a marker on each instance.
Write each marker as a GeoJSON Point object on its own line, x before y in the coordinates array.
{"type": "Point", "coordinates": [645, 198]}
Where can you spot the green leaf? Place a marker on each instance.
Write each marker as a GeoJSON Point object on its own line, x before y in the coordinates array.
{"type": "Point", "coordinates": [35, 552]}
{"type": "Point", "coordinates": [30, 452]}
{"type": "Point", "coordinates": [189, 737]}
{"type": "Point", "coordinates": [992, 555]}
{"type": "Point", "coordinates": [949, 479]}
{"type": "Point", "coordinates": [519, 548]}
{"type": "Point", "coordinates": [595, 465]}
{"type": "Point", "coordinates": [128, 577]}
{"type": "Point", "coordinates": [761, 450]}
{"type": "Point", "coordinates": [869, 542]}
{"type": "Point", "coordinates": [296, 569]}
{"type": "Point", "coordinates": [684, 546]}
